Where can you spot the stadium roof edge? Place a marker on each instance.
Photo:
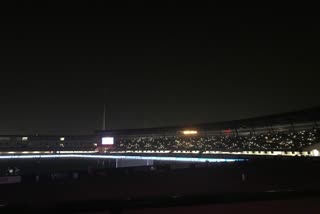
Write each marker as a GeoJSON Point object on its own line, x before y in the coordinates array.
{"type": "Point", "coordinates": [305, 115]}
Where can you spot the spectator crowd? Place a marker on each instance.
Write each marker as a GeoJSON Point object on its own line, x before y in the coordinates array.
{"type": "Point", "coordinates": [274, 141]}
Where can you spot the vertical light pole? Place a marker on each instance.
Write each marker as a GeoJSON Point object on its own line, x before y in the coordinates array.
{"type": "Point", "coordinates": [104, 110]}
{"type": "Point", "coordinates": [104, 117]}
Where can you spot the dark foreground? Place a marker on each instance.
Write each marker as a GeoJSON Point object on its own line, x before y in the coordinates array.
{"type": "Point", "coordinates": [282, 186]}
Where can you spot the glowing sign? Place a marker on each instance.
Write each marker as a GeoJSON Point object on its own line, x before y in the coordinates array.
{"type": "Point", "coordinates": [107, 141]}
{"type": "Point", "coordinates": [228, 131]}
{"type": "Point", "coordinates": [190, 132]}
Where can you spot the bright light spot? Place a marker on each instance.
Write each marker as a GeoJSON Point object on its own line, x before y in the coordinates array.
{"type": "Point", "coordinates": [61, 145]}
{"type": "Point", "coordinates": [190, 132]}
{"type": "Point", "coordinates": [61, 138]}
{"type": "Point", "coordinates": [315, 152]}
{"type": "Point", "coordinates": [95, 144]}
{"type": "Point", "coordinates": [24, 138]}
{"type": "Point", "coordinates": [107, 141]}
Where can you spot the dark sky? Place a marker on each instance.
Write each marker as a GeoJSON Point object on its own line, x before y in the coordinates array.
{"type": "Point", "coordinates": [160, 65]}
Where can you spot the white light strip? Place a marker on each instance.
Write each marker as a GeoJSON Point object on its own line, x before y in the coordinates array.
{"type": "Point", "coordinates": [255, 153]}
{"type": "Point", "coordinates": [72, 152]}
{"type": "Point", "coordinates": [182, 159]}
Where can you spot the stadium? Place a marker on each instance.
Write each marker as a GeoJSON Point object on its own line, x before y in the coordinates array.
{"type": "Point", "coordinates": [291, 134]}
{"type": "Point", "coordinates": [251, 156]}
{"type": "Point", "coordinates": [294, 134]}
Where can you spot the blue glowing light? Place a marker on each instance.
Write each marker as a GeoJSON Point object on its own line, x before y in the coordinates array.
{"type": "Point", "coordinates": [180, 159]}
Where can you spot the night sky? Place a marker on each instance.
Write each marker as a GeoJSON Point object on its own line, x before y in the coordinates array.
{"type": "Point", "coordinates": [173, 65]}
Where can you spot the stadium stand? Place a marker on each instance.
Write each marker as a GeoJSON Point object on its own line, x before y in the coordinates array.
{"type": "Point", "coordinates": [289, 132]}
{"type": "Point", "coordinates": [47, 143]}
{"type": "Point", "coordinates": [271, 141]}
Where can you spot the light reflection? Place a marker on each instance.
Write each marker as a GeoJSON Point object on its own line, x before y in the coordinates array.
{"type": "Point", "coordinates": [180, 159]}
